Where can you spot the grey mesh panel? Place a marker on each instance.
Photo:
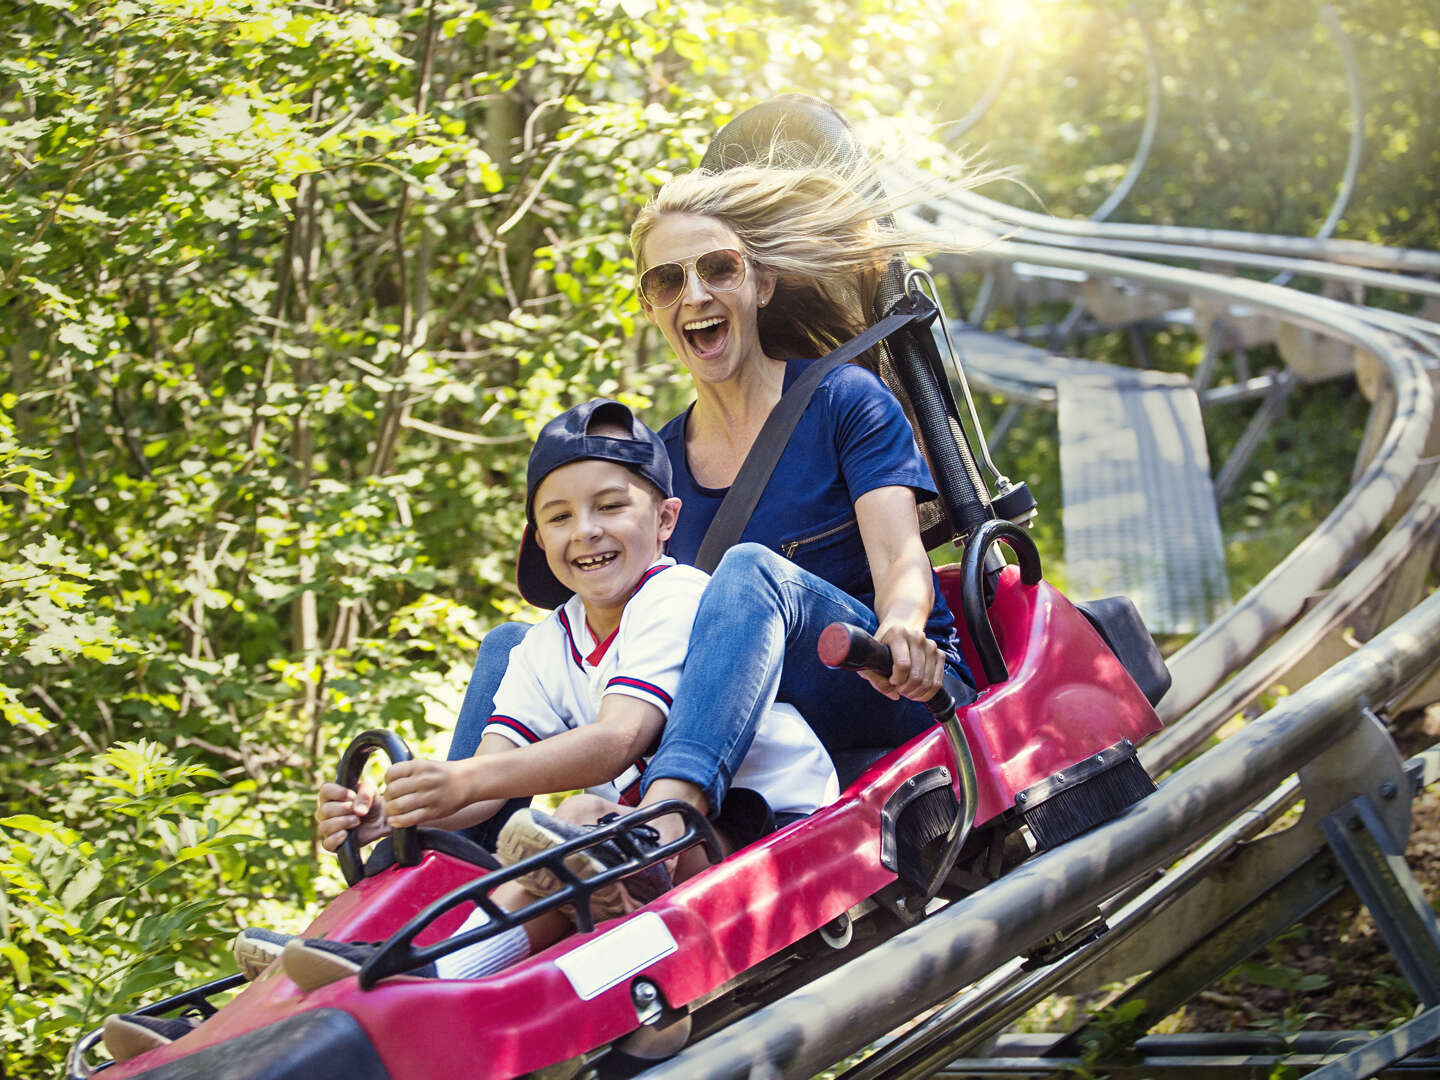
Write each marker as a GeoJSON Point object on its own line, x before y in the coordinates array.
{"type": "Point", "coordinates": [1139, 508]}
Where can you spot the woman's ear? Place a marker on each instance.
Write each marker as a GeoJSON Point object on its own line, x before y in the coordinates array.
{"type": "Point", "coordinates": [765, 282]}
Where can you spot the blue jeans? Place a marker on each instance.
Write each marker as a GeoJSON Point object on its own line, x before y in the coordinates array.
{"type": "Point", "coordinates": [475, 712]}
{"type": "Point", "coordinates": [479, 702]}
{"type": "Point", "coordinates": [753, 644]}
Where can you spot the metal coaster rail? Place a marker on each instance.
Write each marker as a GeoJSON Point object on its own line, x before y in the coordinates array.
{"type": "Point", "coordinates": [842, 1012]}
{"type": "Point", "coordinates": [1217, 651]}
{"type": "Point", "coordinates": [962, 961]}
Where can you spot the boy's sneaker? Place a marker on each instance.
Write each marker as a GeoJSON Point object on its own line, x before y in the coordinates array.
{"type": "Point", "coordinates": [127, 1035]}
{"type": "Point", "coordinates": [529, 832]}
{"type": "Point", "coordinates": [315, 962]}
{"type": "Point", "coordinates": [256, 948]}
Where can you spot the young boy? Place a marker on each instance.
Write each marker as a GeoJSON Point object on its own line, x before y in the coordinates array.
{"type": "Point", "coordinates": [582, 705]}
{"type": "Point", "coordinates": [585, 696]}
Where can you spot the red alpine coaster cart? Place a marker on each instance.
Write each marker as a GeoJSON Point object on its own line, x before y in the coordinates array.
{"type": "Point", "coordinates": [1045, 751]}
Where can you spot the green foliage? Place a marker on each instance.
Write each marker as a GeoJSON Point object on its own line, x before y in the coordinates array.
{"type": "Point", "coordinates": [1282, 977]}
{"type": "Point", "coordinates": [45, 615]}
{"type": "Point", "coordinates": [1108, 1032]}
{"type": "Point", "coordinates": [99, 903]}
{"type": "Point", "coordinates": [1254, 111]}
{"type": "Point", "coordinates": [286, 289]}
{"type": "Point", "coordinates": [1314, 443]}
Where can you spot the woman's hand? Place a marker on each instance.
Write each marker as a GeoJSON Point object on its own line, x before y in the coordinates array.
{"type": "Point", "coordinates": [420, 791]}
{"type": "Point", "coordinates": [339, 810]}
{"type": "Point", "coordinates": [918, 666]}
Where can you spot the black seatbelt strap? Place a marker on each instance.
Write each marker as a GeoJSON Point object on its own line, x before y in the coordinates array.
{"type": "Point", "coordinates": [749, 483]}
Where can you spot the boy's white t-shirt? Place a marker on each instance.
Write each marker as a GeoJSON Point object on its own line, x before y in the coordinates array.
{"type": "Point", "coordinates": [559, 673]}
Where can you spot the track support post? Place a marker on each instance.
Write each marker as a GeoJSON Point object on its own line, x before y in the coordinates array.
{"type": "Point", "coordinates": [1381, 1053]}
{"type": "Point", "coordinates": [1375, 863]}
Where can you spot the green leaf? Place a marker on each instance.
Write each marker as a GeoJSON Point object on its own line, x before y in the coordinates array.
{"type": "Point", "coordinates": [81, 885]}
{"type": "Point", "coordinates": [97, 914]}
{"type": "Point", "coordinates": [40, 827]}
{"type": "Point", "coordinates": [18, 960]}
{"type": "Point", "coordinates": [75, 334]}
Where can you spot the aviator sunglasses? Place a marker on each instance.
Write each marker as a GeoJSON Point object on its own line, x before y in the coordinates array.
{"type": "Point", "coordinates": [722, 269]}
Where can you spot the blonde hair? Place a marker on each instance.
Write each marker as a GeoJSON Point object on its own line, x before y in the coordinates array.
{"type": "Point", "coordinates": [815, 227]}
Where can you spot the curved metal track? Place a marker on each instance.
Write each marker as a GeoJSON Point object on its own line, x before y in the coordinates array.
{"type": "Point", "coordinates": [1353, 571]}
{"type": "Point", "coordinates": [843, 1011]}
{"type": "Point", "coordinates": [1357, 131]}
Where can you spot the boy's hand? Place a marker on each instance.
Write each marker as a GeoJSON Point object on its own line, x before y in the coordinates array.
{"type": "Point", "coordinates": [419, 791]}
{"type": "Point", "coordinates": [341, 810]}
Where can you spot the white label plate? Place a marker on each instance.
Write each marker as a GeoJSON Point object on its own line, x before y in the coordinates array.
{"type": "Point", "coordinates": [617, 954]}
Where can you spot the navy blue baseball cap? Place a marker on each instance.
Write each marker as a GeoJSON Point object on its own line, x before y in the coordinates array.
{"type": "Point", "coordinates": [566, 439]}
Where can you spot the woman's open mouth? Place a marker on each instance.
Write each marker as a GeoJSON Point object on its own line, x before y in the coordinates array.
{"type": "Point", "coordinates": [707, 337]}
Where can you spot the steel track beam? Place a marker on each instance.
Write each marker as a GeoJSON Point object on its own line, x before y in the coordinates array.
{"type": "Point", "coordinates": [841, 1012]}
{"type": "Point", "coordinates": [1301, 892]}
{"type": "Point", "coordinates": [1394, 1046]}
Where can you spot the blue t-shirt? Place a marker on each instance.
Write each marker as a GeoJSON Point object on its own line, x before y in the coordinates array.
{"type": "Point", "coordinates": [852, 438]}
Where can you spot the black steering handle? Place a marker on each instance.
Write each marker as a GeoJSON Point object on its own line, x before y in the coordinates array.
{"type": "Point", "coordinates": [842, 645]}
{"type": "Point", "coordinates": [352, 764]}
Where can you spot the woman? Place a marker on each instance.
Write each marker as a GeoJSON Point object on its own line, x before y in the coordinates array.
{"type": "Point", "coordinates": [750, 274]}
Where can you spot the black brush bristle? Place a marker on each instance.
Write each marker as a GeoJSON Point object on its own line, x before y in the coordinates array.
{"type": "Point", "coordinates": [1067, 814]}
{"type": "Point", "coordinates": [925, 819]}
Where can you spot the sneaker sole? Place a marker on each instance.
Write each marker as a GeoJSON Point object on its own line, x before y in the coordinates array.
{"type": "Point", "coordinates": [621, 897]}
{"type": "Point", "coordinates": [254, 956]}
{"type": "Point", "coordinates": [524, 836]}
{"type": "Point", "coordinates": [125, 1040]}
{"type": "Point", "coordinates": [310, 969]}
{"type": "Point", "coordinates": [607, 902]}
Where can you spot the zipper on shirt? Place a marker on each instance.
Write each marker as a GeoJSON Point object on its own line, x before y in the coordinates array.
{"type": "Point", "coordinates": [788, 549]}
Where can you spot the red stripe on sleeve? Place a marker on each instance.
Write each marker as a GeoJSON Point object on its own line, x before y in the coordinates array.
{"type": "Point", "coordinates": [640, 684]}
{"type": "Point", "coordinates": [514, 725]}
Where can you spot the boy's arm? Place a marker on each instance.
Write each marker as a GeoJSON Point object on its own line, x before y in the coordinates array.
{"type": "Point", "coordinates": [340, 809]}
{"type": "Point", "coordinates": [446, 792]}
{"type": "Point", "coordinates": [470, 813]}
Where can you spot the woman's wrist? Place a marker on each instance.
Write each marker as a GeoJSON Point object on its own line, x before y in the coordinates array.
{"type": "Point", "coordinates": [907, 617]}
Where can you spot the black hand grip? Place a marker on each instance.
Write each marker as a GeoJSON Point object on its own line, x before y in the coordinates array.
{"type": "Point", "coordinates": [842, 645]}
{"type": "Point", "coordinates": [352, 764]}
